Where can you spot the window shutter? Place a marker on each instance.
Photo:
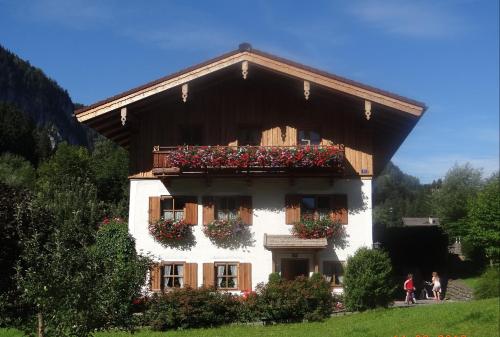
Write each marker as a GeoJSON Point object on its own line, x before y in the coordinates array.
{"type": "Point", "coordinates": [191, 211]}
{"type": "Point", "coordinates": [245, 204]}
{"type": "Point", "coordinates": [155, 277]}
{"type": "Point", "coordinates": [245, 276]}
{"type": "Point", "coordinates": [292, 209]}
{"type": "Point", "coordinates": [208, 275]}
{"type": "Point", "coordinates": [191, 275]}
{"type": "Point", "coordinates": [154, 209]}
{"type": "Point", "coordinates": [338, 205]}
{"type": "Point", "coordinates": [208, 210]}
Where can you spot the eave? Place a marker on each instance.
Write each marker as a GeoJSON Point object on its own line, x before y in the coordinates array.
{"type": "Point", "coordinates": [259, 59]}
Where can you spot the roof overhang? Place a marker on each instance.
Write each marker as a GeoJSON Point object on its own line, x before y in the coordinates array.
{"type": "Point", "coordinates": [254, 58]}
{"type": "Point", "coordinates": [291, 242]}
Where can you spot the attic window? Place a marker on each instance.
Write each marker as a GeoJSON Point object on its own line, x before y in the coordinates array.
{"type": "Point", "coordinates": [309, 137]}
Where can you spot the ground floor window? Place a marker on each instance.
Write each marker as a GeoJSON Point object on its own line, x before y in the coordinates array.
{"type": "Point", "coordinates": [226, 275]}
{"type": "Point", "coordinates": [173, 275]}
{"type": "Point", "coordinates": [333, 271]}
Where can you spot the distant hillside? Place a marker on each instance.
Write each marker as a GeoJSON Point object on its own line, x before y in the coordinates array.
{"type": "Point", "coordinates": [40, 98]}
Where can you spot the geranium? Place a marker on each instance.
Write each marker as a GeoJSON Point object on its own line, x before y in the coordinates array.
{"type": "Point", "coordinates": [244, 157]}
{"type": "Point", "coordinates": [310, 227]}
{"type": "Point", "coordinates": [167, 230]}
{"type": "Point", "coordinates": [223, 229]}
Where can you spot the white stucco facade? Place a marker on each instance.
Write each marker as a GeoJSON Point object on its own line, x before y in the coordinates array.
{"type": "Point", "coordinates": [268, 201]}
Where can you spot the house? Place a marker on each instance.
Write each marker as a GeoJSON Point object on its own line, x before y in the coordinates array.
{"type": "Point", "coordinates": [232, 138]}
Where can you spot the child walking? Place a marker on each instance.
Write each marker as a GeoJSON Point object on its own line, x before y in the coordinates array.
{"type": "Point", "coordinates": [436, 286]}
{"type": "Point", "coordinates": [409, 288]}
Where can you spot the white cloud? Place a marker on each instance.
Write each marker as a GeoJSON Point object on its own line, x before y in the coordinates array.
{"type": "Point", "coordinates": [417, 19]}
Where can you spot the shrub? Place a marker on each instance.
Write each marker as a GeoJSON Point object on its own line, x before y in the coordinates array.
{"type": "Point", "coordinates": [122, 272]}
{"type": "Point", "coordinates": [487, 285]}
{"type": "Point", "coordinates": [368, 280]}
{"type": "Point", "coordinates": [293, 301]}
{"type": "Point", "coordinates": [249, 308]}
{"type": "Point", "coordinates": [192, 308]}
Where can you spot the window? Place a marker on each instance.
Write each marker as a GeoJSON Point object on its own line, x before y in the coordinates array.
{"type": "Point", "coordinates": [248, 135]}
{"type": "Point", "coordinates": [191, 135]}
{"type": "Point", "coordinates": [309, 137]}
{"type": "Point", "coordinates": [226, 275]}
{"type": "Point", "coordinates": [226, 208]}
{"type": "Point", "coordinates": [173, 208]}
{"type": "Point", "coordinates": [315, 206]}
{"type": "Point", "coordinates": [173, 275]}
{"type": "Point", "coordinates": [333, 271]}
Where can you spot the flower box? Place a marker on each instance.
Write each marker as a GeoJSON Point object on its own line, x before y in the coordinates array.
{"type": "Point", "coordinates": [167, 230]}
{"type": "Point", "coordinates": [221, 230]}
{"type": "Point", "coordinates": [249, 157]}
{"type": "Point", "coordinates": [310, 227]}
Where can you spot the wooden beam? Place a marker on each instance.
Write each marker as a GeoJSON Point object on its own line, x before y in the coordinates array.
{"type": "Point", "coordinates": [262, 61]}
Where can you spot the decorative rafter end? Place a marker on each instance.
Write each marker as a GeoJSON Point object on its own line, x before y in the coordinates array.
{"type": "Point", "coordinates": [368, 110]}
{"type": "Point", "coordinates": [185, 90]}
{"type": "Point", "coordinates": [123, 115]}
{"type": "Point", "coordinates": [244, 69]}
{"type": "Point", "coordinates": [307, 89]}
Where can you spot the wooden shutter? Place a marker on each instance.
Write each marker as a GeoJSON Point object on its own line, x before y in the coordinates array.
{"type": "Point", "coordinates": [191, 275]}
{"type": "Point", "coordinates": [245, 277]}
{"type": "Point", "coordinates": [154, 209]}
{"type": "Point", "coordinates": [338, 205]}
{"type": "Point", "coordinates": [155, 277]}
{"type": "Point", "coordinates": [208, 275]}
{"type": "Point", "coordinates": [292, 209]}
{"type": "Point", "coordinates": [191, 211]}
{"type": "Point", "coordinates": [208, 210]}
{"type": "Point", "coordinates": [245, 205]}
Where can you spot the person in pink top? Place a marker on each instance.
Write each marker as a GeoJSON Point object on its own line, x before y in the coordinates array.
{"type": "Point", "coordinates": [409, 288]}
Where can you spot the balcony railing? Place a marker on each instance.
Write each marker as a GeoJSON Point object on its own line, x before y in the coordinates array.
{"type": "Point", "coordinates": [246, 159]}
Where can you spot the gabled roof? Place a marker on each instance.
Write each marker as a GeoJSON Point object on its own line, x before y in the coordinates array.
{"type": "Point", "coordinates": [262, 59]}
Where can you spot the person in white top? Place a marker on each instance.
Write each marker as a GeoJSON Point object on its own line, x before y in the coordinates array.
{"type": "Point", "coordinates": [436, 286]}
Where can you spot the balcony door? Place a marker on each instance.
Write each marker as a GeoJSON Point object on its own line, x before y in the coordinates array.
{"type": "Point", "coordinates": [291, 268]}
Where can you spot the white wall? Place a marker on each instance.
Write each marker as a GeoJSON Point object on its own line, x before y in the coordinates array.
{"type": "Point", "coordinates": [268, 198]}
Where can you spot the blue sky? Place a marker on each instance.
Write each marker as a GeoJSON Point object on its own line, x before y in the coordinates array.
{"type": "Point", "coordinates": [444, 53]}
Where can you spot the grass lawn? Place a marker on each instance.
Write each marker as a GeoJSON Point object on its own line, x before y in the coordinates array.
{"type": "Point", "coordinates": [471, 319]}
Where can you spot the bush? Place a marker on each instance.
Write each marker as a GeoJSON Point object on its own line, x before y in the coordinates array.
{"type": "Point", "coordinates": [122, 273]}
{"type": "Point", "coordinates": [487, 285]}
{"type": "Point", "coordinates": [293, 301]}
{"type": "Point", "coordinates": [368, 280]}
{"type": "Point", "coordinates": [192, 308]}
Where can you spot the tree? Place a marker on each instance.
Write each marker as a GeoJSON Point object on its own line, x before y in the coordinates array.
{"type": "Point", "coordinates": [109, 164]}
{"type": "Point", "coordinates": [12, 198]}
{"type": "Point", "coordinates": [121, 273]}
{"type": "Point", "coordinates": [368, 280]}
{"type": "Point", "coordinates": [459, 186]}
{"type": "Point", "coordinates": [55, 273]}
{"type": "Point", "coordinates": [16, 132]}
{"type": "Point", "coordinates": [16, 171]}
{"type": "Point", "coordinates": [483, 219]}
{"type": "Point", "coordinates": [397, 195]}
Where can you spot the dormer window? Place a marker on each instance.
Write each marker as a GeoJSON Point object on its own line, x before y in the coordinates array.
{"type": "Point", "coordinates": [309, 137]}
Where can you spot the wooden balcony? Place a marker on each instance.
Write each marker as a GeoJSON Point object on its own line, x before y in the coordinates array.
{"type": "Point", "coordinates": [269, 161]}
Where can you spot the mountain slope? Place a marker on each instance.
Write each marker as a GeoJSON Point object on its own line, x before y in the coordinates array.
{"type": "Point", "coordinates": [39, 97]}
